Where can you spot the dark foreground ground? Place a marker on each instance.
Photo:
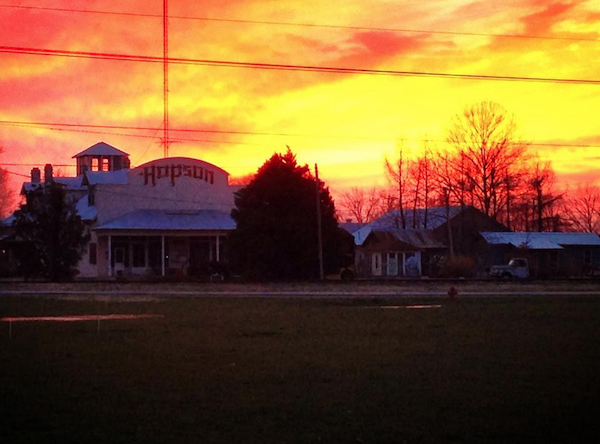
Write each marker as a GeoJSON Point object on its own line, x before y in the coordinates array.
{"type": "Point", "coordinates": [230, 370]}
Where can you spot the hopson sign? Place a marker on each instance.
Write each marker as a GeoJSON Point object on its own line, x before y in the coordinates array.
{"type": "Point", "coordinates": [152, 173]}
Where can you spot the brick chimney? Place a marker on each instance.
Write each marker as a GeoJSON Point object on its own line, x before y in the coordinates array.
{"type": "Point", "coordinates": [48, 173]}
{"type": "Point", "coordinates": [36, 175]}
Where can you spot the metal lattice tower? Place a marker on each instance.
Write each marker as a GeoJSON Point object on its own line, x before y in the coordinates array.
{"type": "Point", "coordinates": [166, 77]}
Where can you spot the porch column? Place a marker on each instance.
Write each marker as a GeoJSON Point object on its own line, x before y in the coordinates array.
{"type": "Point", "coordinates": [110, 269]}
{"type": "Point", "coordinates": [404, 263]}
{"type": "Point", "coordinates": [217, 249]}
{"type": "Point", "coordinates": [162, 256]}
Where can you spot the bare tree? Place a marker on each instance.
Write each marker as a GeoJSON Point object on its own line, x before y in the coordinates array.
{"type": "Point", "coordinates": [421, 184]}
{"type": "Point", "coordinates": [363, 204]}
{"type": "Point", "coordinates": [397, 174]}
{"type": "Point", "coordinates": [581, 208]}
{"type": "Point", "coordinates": [485, 152]}
{"type": "Point", "coordinates": [7, 195]}
{"type": "Point", "coordinates": [541, 184]}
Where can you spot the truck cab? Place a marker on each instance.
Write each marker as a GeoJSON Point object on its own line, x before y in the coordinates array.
{"type": "Point", "coordinates": [516, 268]}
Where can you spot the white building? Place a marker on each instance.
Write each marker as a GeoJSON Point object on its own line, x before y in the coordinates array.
{"type": "Point", "coordinates": [166, 217]}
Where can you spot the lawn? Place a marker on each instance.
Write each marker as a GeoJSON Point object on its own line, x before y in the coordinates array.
{"type": "Point", "coordinates": [244, 370]}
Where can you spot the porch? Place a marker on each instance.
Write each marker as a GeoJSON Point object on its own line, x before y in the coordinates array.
{"type": "Point", "coordinates": [172, 254]}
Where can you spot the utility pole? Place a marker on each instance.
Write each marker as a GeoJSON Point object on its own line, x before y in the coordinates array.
{"type": "Point", "coordinates": [319, 229]}
{"type": "Point", "coordinates": [448, 225]}
{"type": "Point", "coordinates": [166, 77]}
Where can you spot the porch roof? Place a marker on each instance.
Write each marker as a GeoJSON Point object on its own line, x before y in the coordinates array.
{"type": "Point", "coordinates": [166, 220]}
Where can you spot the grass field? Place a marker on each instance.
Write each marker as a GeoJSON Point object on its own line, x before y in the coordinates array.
{"type": "Point", "coordinates": [244, 370]}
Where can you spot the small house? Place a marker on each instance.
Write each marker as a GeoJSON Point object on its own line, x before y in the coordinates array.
{"type": "Point", "coordinates": [416, 242]}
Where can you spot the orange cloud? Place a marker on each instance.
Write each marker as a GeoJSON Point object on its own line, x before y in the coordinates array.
{"type": "Point", "coordinates": [368, 112]}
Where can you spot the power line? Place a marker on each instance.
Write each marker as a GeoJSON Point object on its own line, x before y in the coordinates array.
{"type": "Point", "coordinates": [16, 174]}
{"type": "Point", "coordinates": [49, 126]}
{"type": "Point", "coordinates": [38, 164]}
{"type": "Point", "coordinates": [149, 144]}
{"type": "Point", "coordinates": [286, 67]}
{"type": "Point", "coordinates": [306, 25]}
{"type": "Point", "coordinates": [72, 126]}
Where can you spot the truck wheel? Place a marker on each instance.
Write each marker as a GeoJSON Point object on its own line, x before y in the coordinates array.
{"type": "Point", "coordinates": [506, 276]}
{"type": "Point", "coordinates": [347, 275]}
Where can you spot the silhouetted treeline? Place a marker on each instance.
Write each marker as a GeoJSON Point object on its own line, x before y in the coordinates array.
{"type": "Point", "coordinates": [486, 166]}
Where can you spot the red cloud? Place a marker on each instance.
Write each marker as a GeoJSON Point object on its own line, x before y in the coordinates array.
{"type": "Point", "coordinates": [386, 44]}
{"type": "Point", "coordinates": [541, 22]}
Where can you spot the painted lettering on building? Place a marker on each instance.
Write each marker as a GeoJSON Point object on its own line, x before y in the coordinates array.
{"type": "Point", "coordinates": [173, 172]}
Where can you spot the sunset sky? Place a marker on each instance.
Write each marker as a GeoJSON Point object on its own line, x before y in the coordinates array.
{"type": "Point", "coordinates": [347, 123]}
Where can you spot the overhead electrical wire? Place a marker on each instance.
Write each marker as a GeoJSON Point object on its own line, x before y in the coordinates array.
{"type": "Point", "coordinates": [70, 128]}
{"type": "Point", "coordinates": [74, 126]}
{"type": "Point", "coordinates": [37, 164]}
{"type": "Point", "coordinates": [15, 174]}
{"type": "Point", "coordinates": [300, 24]}
{"type": "Point", "coordinates": [285, 67]}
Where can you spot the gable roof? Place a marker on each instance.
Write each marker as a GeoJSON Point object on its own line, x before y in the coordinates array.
{"type": "Point", "coordinates": [101, 149]}
{"type": "Point", "coordinates": [86, 211]}
{"type": "Point", "coordinates": [401, 238]}
{"type": "Point", "coordinates": [541, 241]}
{"type": "Point", "coordinates": [70, 183]}
{"type": "Point", "coordinates": [351, 227]}
{"type": "Point", "coordinates": [429, 219]}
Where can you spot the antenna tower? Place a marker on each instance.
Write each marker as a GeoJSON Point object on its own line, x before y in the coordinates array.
{"type": "Point", "coordinates": [166, 77]}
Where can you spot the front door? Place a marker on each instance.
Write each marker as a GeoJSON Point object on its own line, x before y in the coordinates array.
{"type": "Point", "coordinates": [119, 260]}
{"type": "Point", "coordinates": [376, 264]}
{"type": "Point", "coordinates": [392, 264]}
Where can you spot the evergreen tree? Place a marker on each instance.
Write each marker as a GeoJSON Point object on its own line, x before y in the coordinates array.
{"type": "Point", "coordinates": [276, 214]}
{"type": "Point", "coordinates": [54, 234]}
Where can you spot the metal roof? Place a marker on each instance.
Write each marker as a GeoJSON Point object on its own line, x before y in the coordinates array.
{"type": "Point", "coordinates": [420, 239]}
{"type": "Point", "coordinates": [351, 227]}
{"type": "Point", "coordinates": [106, 177]}
{"type": "Point", "coordinates": [101, 149]}
{"type": "Point", "coordinates": [171, 220]}
{"type": "Point", "coordinates": [436, 216]}
{"type": "Point", "coordinates": [8, 221]}
{"type": "Point", "coordinates": [541, 241]}
{"type": "Point", "coordinates": [71, 183]}
{"type": "Point", "coordinates": [85, 211]}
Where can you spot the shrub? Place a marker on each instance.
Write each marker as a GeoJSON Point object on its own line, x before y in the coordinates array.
{"type": "Point", "coordinates": [458, 266]}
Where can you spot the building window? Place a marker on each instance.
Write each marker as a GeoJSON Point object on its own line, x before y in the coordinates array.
{"type": "Point", "coordinates": [95, 164]}
{"type": "Point", "coordinates": [105, 164]}
{"type": "Point", "coordinates": [587, 257]}
{"type": "Point", "coordinates": [93, 252]}
{"type": "Point", "coordinates": [139, 255]}
{"type": "Point", "coordinates": [376, 264]}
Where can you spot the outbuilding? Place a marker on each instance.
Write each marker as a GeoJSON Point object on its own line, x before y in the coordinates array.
{"type": "Point", "coordinates": [548, 254]}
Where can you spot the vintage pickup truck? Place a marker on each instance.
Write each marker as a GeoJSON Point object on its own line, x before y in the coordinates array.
{"type": "Point", "coordinates": [516, 268]}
